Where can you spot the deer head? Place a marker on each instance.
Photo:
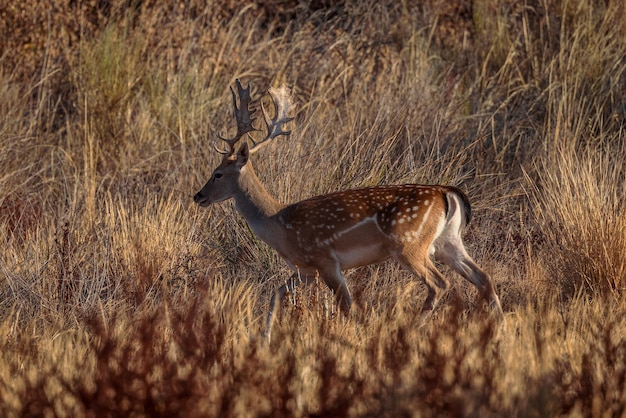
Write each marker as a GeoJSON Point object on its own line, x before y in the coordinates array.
{"type": "Point", "coordinates": [226, 178]}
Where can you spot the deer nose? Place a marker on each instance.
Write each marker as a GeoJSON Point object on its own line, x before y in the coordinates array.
{"type": "Point", "coordinates": [201, 199]}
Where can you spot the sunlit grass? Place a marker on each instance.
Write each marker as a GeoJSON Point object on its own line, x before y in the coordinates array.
{"type": "Point", "coordinates": [119, 296]}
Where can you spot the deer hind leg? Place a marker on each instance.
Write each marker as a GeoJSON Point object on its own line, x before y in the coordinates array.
{"type": "Point", "coordinates": [425, 270]}
{"type": "Point", "coordinates": [453, 254]}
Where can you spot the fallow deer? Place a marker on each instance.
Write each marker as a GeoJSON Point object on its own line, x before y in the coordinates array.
{"type": "Point", "coordinates": [337, 231]}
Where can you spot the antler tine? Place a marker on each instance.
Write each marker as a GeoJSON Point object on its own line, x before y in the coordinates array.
{"type": "Point", "coordinates": [243, 115]}
{"type": "Point", "coordinates": [281, 97]}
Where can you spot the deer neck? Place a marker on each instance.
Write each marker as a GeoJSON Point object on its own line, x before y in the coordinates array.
{"type": "Point", "coordinates": [255, 204]}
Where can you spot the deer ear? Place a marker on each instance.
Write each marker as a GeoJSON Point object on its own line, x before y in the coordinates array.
{"type": "Point", "coordinates": [243, 155]}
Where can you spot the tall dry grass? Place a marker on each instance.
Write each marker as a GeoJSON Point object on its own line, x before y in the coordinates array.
{"type": "Point", "coordinates": [118, 296]}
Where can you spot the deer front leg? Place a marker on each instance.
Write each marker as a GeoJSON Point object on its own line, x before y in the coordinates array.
{"type": "Point", "coordinates": [337, 283]}
{"type": "Point", "coordinates": [296, 279]}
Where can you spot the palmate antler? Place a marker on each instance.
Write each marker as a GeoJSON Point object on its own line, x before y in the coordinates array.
{"type": "Point", "coordinates": [281, 97]}
{"type": "Point", "coordinates": [243, 115]}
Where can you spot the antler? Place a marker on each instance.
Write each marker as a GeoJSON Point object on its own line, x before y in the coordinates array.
{"type": "Point", "coordinates": [281, 97]}
{"type": "Point", "coordinates": [243, 115]}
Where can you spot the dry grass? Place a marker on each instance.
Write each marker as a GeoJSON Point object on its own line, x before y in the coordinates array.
{"type": "Point", "coordinates": [120, 297]}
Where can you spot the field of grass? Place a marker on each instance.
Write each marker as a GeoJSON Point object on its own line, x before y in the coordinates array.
{"type": "Point", "coordinates": [120, 297]}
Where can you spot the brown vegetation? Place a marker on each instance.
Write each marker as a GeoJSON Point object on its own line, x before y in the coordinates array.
{"type": "Point", "coordinates": [119, 297]}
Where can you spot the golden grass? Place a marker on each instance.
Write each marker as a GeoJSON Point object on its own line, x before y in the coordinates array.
{"type": "Point", "coordinates": [119, 297]}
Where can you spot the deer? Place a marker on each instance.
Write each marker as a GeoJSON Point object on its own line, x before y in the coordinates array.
{"type": "Point", "coordinates": [325, 235]}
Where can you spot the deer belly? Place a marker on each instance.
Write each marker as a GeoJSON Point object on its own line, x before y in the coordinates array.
{"type": "Point", "coordinates": [361, 255]}
{"type": "Point", "coordinates": [361, 246]}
